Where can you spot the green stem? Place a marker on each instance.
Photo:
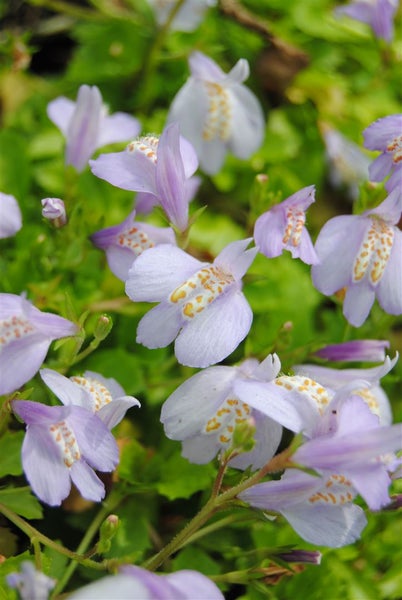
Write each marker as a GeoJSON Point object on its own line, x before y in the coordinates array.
{"type": "Point", "coordinates": [68, 8]}
{"type": "Point", "coordinates": [107, 508]}
{"type": "Point", "coordinates": [35, 535]}
{"type": "Point", "coordinates": [215, 503]}
{"type": "Point", "coordinates": [151, 60]}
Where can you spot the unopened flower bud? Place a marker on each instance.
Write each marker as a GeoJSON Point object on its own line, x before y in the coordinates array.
{"type": "Point", "coordinates": [53, 210]}
{"type": "Point", "coordinates": [107, 531]}
{"type": "Point", "coordinates": [311, 557]}
{"type": "Point", "coordinates": [356, 350]}
{"type": "Point", "coordinates": [103, 327]}
{"type": "Point", "coordinates": [262, 178]}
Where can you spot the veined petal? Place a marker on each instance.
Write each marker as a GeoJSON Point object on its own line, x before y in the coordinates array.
{"type": "Point", "coordinates": [195, 401]}
{"type": "Point", "coordinates": [331, 526]}
{"type": "Point", "coordinates": [118, 127]}
{"type": "Point", "coordinates": [159, 327]}
{"type": "Point", "coordinates": [125, 170]}
{"type": "Point", "coordinates": [111, 414]}
{"type": "Point", "coordinates": [269, 231]}
{"type": "Point", "coordinates": [98, 446]}
{"type": "Point", "coordinates": [337, 246]}
{"type": "Point", "coordinates": [87, 482]}
{"type": "Point", "coordinates": [43, 466]}
{"type": "Point", "coordinates": [67, 391]}
{"type": "Point", "coordinates": [215, 332]}
{"type": "Point", "coordinates": [248, 122]}
{"type": "Point", "coordinates": [380, 167]}
{"type": "Point", "coordinates": [389, 291]}
{"type": "Point", "coordinates": [203, 67]}
{"type": "Point", "coordinates": [60, 112]}
{"type": "Point", "coordinates": [357, 303]}
{"type": "Point", "coordinates": [158, 271]}
{"type": "Point", "coordinates": [83, 128]}
{"type": "Point", "coordinates": [235, 259]}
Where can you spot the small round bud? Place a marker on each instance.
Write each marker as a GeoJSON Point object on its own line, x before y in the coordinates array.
{"type": "Point", "coordinates": [53, 210]}
{"type": "Point", "coordinates": [103, 327]}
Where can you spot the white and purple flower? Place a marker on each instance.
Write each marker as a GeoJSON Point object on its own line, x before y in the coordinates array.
{"type": "Point", "coordinates": [25, 336]}
{"type": "Point", "coordinates": [30, 583]}
{"type": "Point", "coordinates": [187, 18]}
{"type": "Point", "coordinates": [378, 14]}
{"type": "Point", "coordinates": [386, 135]}
{"type": "Point", "coordinates": [217, 113]}
{"type": "Point", "coordinates": [283, 228]}
{"type": "Point", "coordinates": [205, 411]}
{"type": "Point", "coordinates": [363, 253]}
{"type": "Point", "coordinates": [11, 219]}
{"type": "Point", "coordinates": [123, 243]}
{"type": "Point", "coordinates": [92, 391]}
{"type": "Point", "coordinates": [161, 167]}
{"type": "Point", "coordinates": [201, 305]}
{"type": "Point", "coordinates": [86, 125]}
{"type": "Point", "coordinates": [135, 583]}
{"type": "Point", "coordinates": [64, 444]}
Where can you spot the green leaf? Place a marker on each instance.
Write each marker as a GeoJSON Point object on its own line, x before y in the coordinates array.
{"type": "Point", "coordinates": [10, 452]}
{"type": "Point", "coordinates": [14, 165]}
{"type": "Point", "coordinates": [181, 479]}
{"type": "Point", "coordinates": [22, 502]}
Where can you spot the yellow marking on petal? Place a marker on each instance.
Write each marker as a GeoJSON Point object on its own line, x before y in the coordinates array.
{"type": "Point", "coordinates": [218, 121]}
{"type": "Point", "coordinates": [395, 147]}
{"type": "Point", "coordinates": [295, 220]}
{"type": "Point", "coordinates": [147, 145]}
{"type": "Point", "coordinates": [374, 252]}
{"type": "Point", "coordinates": [307, 387]}
{"type": "Point", "coordinates": [14, 329]}
{"type": "Point", "coordinates": [66, 442]}
{"type": "Point", "coordinates": [99, 393]}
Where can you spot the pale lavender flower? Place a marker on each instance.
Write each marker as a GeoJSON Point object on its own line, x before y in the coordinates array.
{"type": "Point", "coordinates": [86, 125]}
{"type": "Point", "coordinates": [53, 210]}
{"type": "Point", "coordinates": [25, 336]}
{"type": "Point", "coordinates": [64, 444]}
{"type": "Point", "coordinates": [201, 305]}
{"type": "Point", "coordinates": [123, 243]}
{"type": "Point", "coordinates": [161, 167]}
{"type": "Point", "coordinates": [92, 391]}
{"type": "Point", "coordinates": [135, 583]}
{"type": "Point", "coordinates": [378, 14]}
{"type": "Point", "coordinates": [348, 166]}
{"type": "Point", "coordinates": [283, 228]}
{"type": "Point", "coordinates": [30, 583]}
{"type": "Point", "coordinates": [371, 391]}
{"type": "Point", "coordinates": [320, 509]}
{"type": "Point", "coordinates": [205, 411]}
{"type": "Point", "coordinates": [187, 18]}
{"type": "Point", "coordinates": [355, 351]}
{"type": "Point", "coordinates": [350, 441]}
{"type": "Point", "coordinates": [364, 254]}
{"type": "Point", "coordinates": [217, 113]}
{"type": "Point", "coordinates": [386, 135]}
{"type": "Point", "coordinates": [10, 213]}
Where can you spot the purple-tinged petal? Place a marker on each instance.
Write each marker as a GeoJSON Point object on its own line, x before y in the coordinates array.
{"type": "Point", "coordinates": [248, 128]}
{"type": "Point", "coordinates": [389, 291]}
{"type": "Point", "coordinates": [203, 67]}
{"type": "Point", "coordinates": [44, 467]}
{"type": "Point", "coordinates": [156, 585]}
{"type": "Point", "coordinates": [191, 585]}
{"type": "Point", "coordinates": [34, 413]}
{"type": "Point", "coordinates": [83, 128]}
{"type": "Point", "coordinates": [305, 251]}
{"type": "Point", "coordinates": [199, 449]}
{"type": "Point", "coordinates": [235, 259]}
{"type": "Point", "coordinates": [123, 587]}
{"type": "Point", "coordinates": [207, 390]}
{"type": "Point", "coordinates": [372, 484]}
{"type": "Point", "coordinates": [380, 167]}
{"type": "Point", "coordinates": [355, 351]}
{"type": "Point", "coordinates": [60, 112]}
{"type": "Point", "coordinates": [239, 73]}
{"type": "Point", "coordinates": [66, 390]}
{"type": "Point", "coordinates": [125, 170]}
{"type": "Point", "coordinates": [145, 202]}
{"type": "Point", "coordinates": [51, 325]}
{"type": "Point", "coordinates": [118, 127]}
{"type": "Point", "coordinates": [331, 526]}
{"type": "Point", "coordinates": [378, 135]}
{"type": "Point", "coordinates": [395, 180]}
{"type": "Point", "coordinates": [20, 360]}
{"type": "Point", "coordinates": [159, 327]}
{"type": "Point", "coordinates": [87, 482]}
{"type": "Point", "coordinates": [189, 107]}
{"type": "Point", "coordinates": [53, 210]}
{"type": "Point", "coordinates": [30, 583]}
{"type": "Point", "coordinates": [337, 246]}
{"type": "Point", "coordinates": [96, 443]}
{"type": "Point", "coordinates": [357, 303]}
{"type": "Point", "coordinates": [111, 414]}
{"type": "Point", "coordinates": [170, 178]}
{"type": "Point", "coordinates": [11, 218]}
{"type": "Point", "coordinates": [158, 271]}
{"type": "Point", "coordinates": [188, 156]}
{"type": "Point", "coordinates": [216, 332]}
{"type": "Point", "coordinates": [268, 233]}
{"type": "Point", "coordinates": [390, 210]}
